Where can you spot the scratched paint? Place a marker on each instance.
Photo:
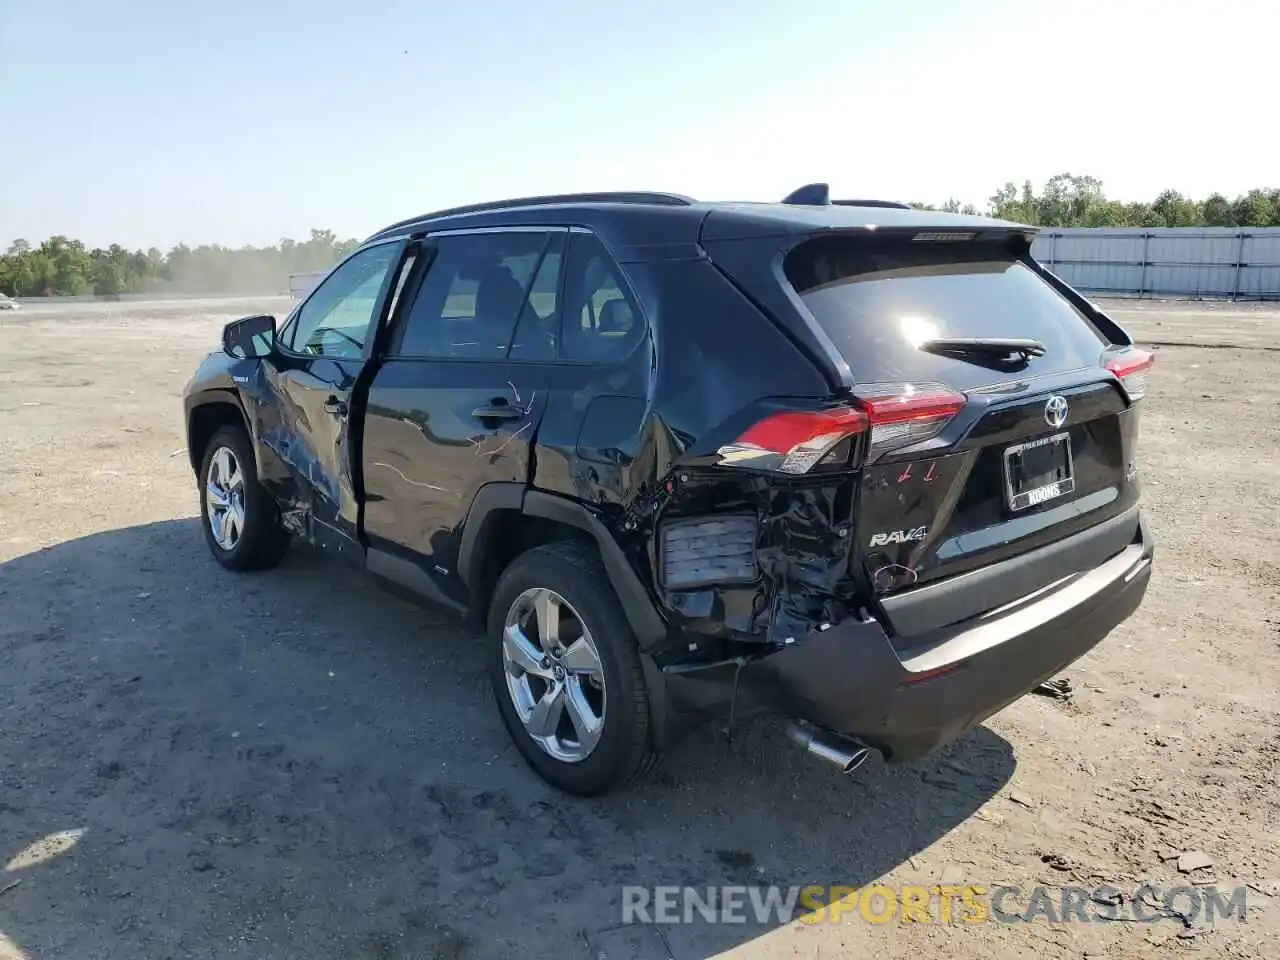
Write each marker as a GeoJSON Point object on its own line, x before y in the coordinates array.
{"type": "Point", "coordinates": [489, 446]}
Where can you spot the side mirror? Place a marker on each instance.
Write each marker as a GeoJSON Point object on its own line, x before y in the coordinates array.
{"type": "Point", "coordinates": [250, 337]}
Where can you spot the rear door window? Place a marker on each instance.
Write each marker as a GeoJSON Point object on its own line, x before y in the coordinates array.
{"type": "Point", "coordinates": [878, 301]}
{"type": "Point", "coordinates": [602, 323]}
{"type": "Point", "coordinates": [475, 291]}
{"type": "Point", "coordinates": [538, 329]}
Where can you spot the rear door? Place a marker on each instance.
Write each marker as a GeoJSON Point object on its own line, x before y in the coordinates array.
{"type": "Point", "coordinates": [311, 380]}
{"type": "Point", "coordinates": [459, 397]}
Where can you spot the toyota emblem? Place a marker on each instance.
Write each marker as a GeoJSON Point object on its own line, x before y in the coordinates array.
{"type": "Point", "coordinates": [1055, 412]}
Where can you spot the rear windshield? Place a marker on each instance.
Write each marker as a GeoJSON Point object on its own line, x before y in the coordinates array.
{"type": "Point", "coordinates": [877, 300]}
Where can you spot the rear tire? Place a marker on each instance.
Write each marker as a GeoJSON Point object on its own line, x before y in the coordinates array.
{"type": "Point", "coordinates": [591, 658]}
{"type": "Point", "coordinates": [240, 519]}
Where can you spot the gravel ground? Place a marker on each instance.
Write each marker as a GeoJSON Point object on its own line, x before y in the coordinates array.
{"type": "Point", "coordinates": [198, 764]}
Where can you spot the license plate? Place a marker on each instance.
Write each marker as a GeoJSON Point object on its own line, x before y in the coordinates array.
{"type": "Point", "coordinates": [1038, 471]}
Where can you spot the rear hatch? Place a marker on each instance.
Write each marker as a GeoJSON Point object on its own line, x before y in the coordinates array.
{"type": "Point", "coordinates": [996, 444]}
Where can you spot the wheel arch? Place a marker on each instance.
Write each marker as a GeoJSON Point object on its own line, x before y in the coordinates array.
{"type": "Point", "coordinates": [208, 413]}
{"type": "Point", "coordinates": [498, 505]}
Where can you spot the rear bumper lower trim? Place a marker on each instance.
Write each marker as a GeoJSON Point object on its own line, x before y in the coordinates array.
{"type": "Point", "coordinates": [921, 609]}
{"type": "Point", "coordinates": [850, 678]}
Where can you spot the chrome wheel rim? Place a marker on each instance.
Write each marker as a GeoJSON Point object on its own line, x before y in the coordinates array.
{"type": "Point", "coordinates": [224, 498]}
{"type": "Point", "coordinates": [554, 675]}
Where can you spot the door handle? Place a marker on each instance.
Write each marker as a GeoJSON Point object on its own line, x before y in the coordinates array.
{"type": "Point", "coordinates": [335, 406]}
{"type": "Point", "coordinates": [494, 412]}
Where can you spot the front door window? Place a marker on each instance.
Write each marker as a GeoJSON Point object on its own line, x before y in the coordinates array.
{"type": "Point", "coordinates": [335, 320]}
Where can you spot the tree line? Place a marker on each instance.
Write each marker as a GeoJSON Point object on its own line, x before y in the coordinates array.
{"type": "Point", "coordinates": [61, 266]}
{"type": "Point", "coordinates": [1071, 201]}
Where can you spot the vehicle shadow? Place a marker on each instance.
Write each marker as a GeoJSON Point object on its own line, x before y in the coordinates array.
{"type": "Point", "coordinates": [302, 761]}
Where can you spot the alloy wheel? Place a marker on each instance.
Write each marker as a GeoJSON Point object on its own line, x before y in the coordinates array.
{"type": "Point", "coordinates": [554, 675]}
{"type": "Point", "coordinates": [224, 498]}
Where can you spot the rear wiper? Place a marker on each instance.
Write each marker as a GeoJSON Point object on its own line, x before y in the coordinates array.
{"type": "Point", "coordinates": [994, 347]}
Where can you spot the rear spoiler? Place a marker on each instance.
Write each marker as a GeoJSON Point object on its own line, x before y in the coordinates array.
{"type": "Point", "coordinates": [808, 218]}
{"type": "Point", "coordinates": [1101, 320]}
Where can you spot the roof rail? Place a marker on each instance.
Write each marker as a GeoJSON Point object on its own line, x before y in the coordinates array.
{"type": "Point", "coordinates": [663, 199]}
{"type": "Point", "coordinates": [873, 203]}
{"type": "Point", "coordinates": [819, 195]}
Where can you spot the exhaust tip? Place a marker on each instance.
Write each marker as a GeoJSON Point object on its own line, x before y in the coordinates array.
{"type": "Point", "coordinates": [858, 759]}
{"type": "Point", "coordinates": [841, 751]}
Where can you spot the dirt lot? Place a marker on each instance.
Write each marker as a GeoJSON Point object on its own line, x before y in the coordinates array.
{"type": "Point", "coordinates": [195, 764]}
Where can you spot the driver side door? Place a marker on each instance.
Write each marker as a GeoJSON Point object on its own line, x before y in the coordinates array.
{"type": "Point", "coordinates": [313, 382]}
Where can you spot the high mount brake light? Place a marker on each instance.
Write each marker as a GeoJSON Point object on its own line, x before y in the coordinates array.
{"type": "Point", "coordinates": [892, 415]}
{"type": "Point", "coordinates": [944, 236]}
{"type": "Point", "coordinates": [1131, 369]}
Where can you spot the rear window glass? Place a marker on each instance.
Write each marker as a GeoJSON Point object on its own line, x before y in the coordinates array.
{"type": "Point", "coordinates": [877, 301]}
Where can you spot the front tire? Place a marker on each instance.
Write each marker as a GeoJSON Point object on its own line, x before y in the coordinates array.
{"type": "Point", "coordinates": [241, 522]}
{"type": "Point", "coordinates": [566, 671]}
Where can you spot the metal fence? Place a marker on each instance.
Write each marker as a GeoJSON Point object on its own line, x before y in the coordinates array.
{"type": "Point", "coordinates": [1209, 262]}
{"type": "Point", "coordinates": [300, 284]}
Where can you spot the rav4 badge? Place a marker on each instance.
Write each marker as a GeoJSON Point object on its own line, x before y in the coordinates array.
{"type": "Point", "coordinates": [899, 536]}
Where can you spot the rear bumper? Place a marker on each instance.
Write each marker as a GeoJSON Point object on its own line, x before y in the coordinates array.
{"type": "Point", "coordinates": [850, 679]}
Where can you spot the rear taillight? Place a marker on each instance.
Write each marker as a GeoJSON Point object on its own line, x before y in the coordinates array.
{"type": "Point", "coordinates": [901, 414]}
{"type": "Point", "coordinates": [1131, 369]}
{"type": "Point", "coordinates": [891, 416]}
{"type": "Point", "coordinates": [793, 441]}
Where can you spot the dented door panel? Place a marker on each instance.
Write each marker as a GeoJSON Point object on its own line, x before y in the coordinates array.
{"type": "Point", "coordinates": [305, 423]}
{"type": "Point", "coordinates": [426, 452]}
{"type": "Point", "coordinates": [309, 414]}
{"type": "Point", "coordinates": [591, 438]}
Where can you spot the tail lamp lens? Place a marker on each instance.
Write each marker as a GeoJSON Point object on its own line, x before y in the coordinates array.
{"type": "Point", "coordinates": [1131, 368]}
{"type": "Point", "coordinates": [902, 414]}
{"type": "Point", "coordinates": [794, 441]}
{"type": "Point", "coordinates": [891, 416]}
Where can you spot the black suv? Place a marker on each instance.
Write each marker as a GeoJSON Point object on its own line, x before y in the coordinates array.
{"type": "Point", "coordinates": [869, 467]}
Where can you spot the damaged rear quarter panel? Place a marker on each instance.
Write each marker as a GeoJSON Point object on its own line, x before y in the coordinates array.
{"type": "Point", "coordinates": [803, 545]}
{"type": "Point", "coordinates": [635, 442]}
{"type": "Point", "coordinates": [700, 392]}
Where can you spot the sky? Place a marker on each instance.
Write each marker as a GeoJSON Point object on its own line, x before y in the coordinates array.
{"type": "Point", "coordinates": [150, 122]}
